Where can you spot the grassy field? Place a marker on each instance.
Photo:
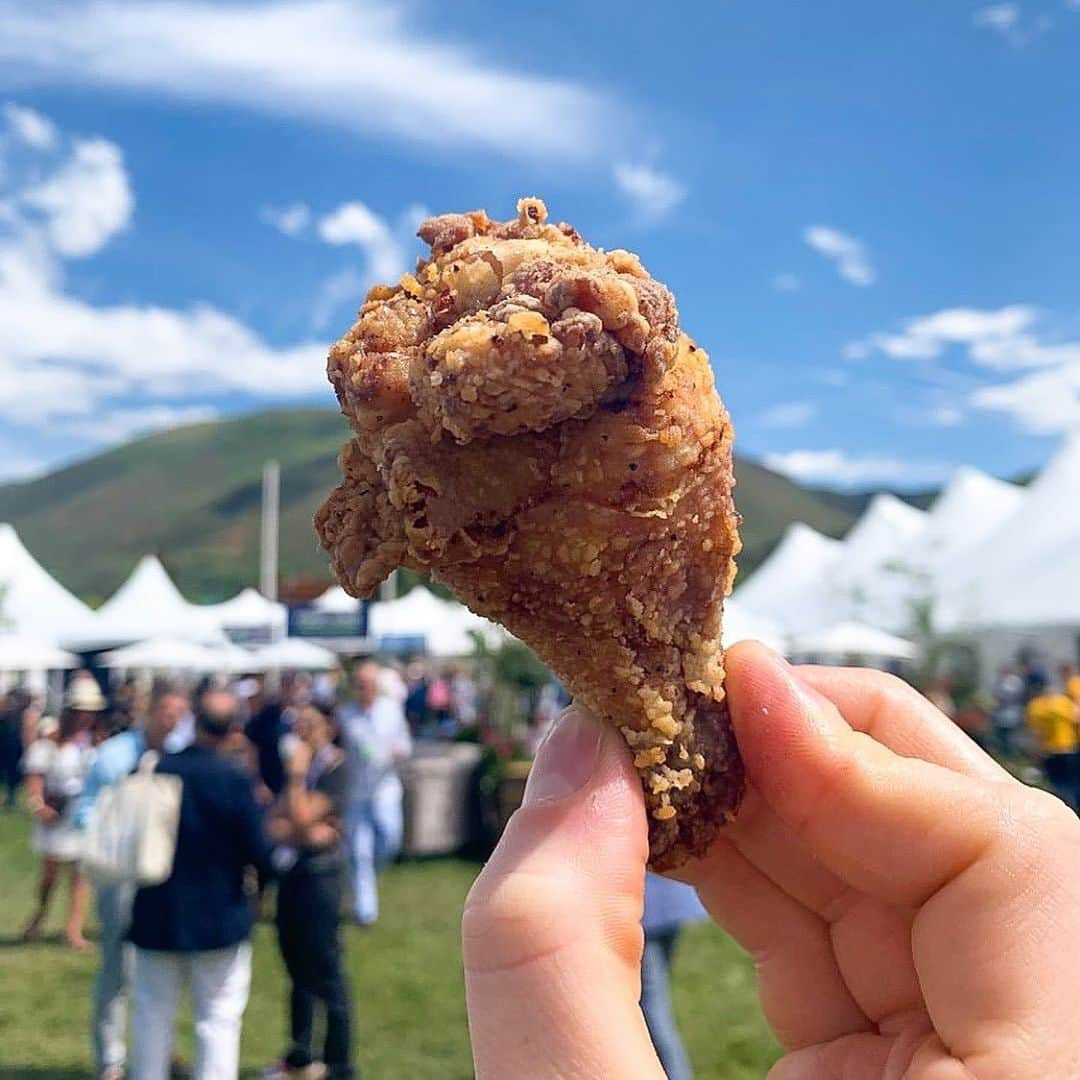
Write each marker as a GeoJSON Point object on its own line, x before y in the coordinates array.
{"type": "Point", "coordinates": [406, 976]}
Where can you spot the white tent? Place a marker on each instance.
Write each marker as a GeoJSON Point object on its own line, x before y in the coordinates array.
{"type": "Point", "coordinates": [336, 601]}
{"type": "Point", "coordinates": [991, 584]}
{"type": "Point", "coordinates": [741, 624]}
{"type": "Point", "coordinates": [854, 639]}
{"type": "Point", "coordinates": [972, 505]}
{"type": "Point", "coordinates": [148, 605]}
{"type": "Point", "coordinates": [165, 654]}
{"type": "Point", "coordinates": [1047, 595]}
{"type": "Point", "coordinates": [795, 586]}
{"type": "Point", "coordinates": [27, 654]}
{"type": "Point", "coordinates": [32, 601]}
{"type": "Point", "coordinates": [249, 615]}
{"type": "Point", "coordinates": [293, 654]}
{"type": "Point", "coordinates": [443, 628]}
{"type": "Point", "coordinates": [878, 572]}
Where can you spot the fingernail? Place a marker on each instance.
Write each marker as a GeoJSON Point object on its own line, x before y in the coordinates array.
{"type": "Point", "coordinates": [566, 758]}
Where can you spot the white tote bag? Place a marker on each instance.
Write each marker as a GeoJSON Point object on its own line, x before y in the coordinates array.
{"type": "Point", "coordinates": [132, 834]}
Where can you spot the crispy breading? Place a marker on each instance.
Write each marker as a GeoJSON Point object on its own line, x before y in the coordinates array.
{"type": "Point", "coordinates": [532, 427]}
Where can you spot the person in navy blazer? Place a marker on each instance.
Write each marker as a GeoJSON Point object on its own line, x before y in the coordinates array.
{"type": "Point", "coordinates": [194, 929]}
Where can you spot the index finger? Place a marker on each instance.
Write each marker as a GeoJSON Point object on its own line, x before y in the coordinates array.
{"type": "Point", "coordinates": [897, 715]}
{"type": "Point", "coordinates": [898, 828]}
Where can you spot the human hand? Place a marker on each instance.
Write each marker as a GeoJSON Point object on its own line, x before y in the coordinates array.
{"type": "Point", "coordinates": [912, 910]}
{"type": "Point", "coordinates": [46, 814]}
{"type": "Point", "coordinates": [299, 758]}
{"type": "Point", "coordinates": [322, 835]}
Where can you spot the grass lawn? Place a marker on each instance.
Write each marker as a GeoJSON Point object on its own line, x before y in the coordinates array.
{"type": "Point", "coordinates": [407, 984]}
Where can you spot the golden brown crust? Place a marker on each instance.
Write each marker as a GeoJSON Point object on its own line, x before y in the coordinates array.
{"type": "Point", "coordinates": [532, 427]}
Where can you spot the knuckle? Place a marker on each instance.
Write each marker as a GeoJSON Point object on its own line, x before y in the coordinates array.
{"type": "Point", "coordinates": [519, 918]}
{"type": "Point", "coordinates": [1046, 815]}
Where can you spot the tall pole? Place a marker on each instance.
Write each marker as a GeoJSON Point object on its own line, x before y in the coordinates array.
{"type": "Point", "coordinates": [268, 563]}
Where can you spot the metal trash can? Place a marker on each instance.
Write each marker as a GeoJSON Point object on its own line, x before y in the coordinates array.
{"type": "Point", "coordinates": [436, 781]}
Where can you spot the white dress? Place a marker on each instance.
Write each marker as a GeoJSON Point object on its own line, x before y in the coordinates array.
{"type": "Point", "coordinates": [64, 769]}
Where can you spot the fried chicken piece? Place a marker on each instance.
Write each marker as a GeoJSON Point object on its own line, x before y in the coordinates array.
{"type": "Point", "coordinates": [531, 426]}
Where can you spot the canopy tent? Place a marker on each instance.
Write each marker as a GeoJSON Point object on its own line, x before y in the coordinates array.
{"type": "Point", "coordinates": [854, 639]}
{"type": "Point", "coordinates": [32, 601]}
{"type": "Point", "coordinates": [794, 587]}
{"type": "Point", "coordinates": [148, 605]}
{"type": "Point", "coordinates": [165, 654]}
{"type": "Point", "coordinates": [420, 619]}
{"type": "Point", "coordinates": [336, 600]}
{"type": "Point", "coordinates": [293, 654]}
{"type": "Point", "coordinates": [991, 584]}
{"type": "Point", "coordinates": [249, 616]}
{"type": "Point", "coordinates": [1049, 594]}
{"type": "Point", "coordinates": [972, 505]}
{"type": "Point", "coordinates": [879, 570]}
{"type": "Point", "coordinates": [741, 624]}
{"type": "Point", "coordinates": [27, 654]}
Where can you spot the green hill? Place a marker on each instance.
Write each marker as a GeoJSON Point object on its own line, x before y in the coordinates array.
{"type": "Point", "coordinates": [192, 497]}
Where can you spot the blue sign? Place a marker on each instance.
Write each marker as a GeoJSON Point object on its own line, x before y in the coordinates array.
{"type": "Point", "coordinates": [307, 621]}
{"type": "Point", "coordinates": [403, 643]}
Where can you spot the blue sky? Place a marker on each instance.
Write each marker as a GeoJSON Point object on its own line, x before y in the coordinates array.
{"type": "Point", "coordinates": [870, 213]}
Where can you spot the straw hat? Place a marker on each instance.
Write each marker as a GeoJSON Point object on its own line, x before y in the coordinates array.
{"type": "Point", "coordinates": [84, 695]}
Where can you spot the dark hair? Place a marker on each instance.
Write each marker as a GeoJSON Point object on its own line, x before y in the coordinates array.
{"type": "Point", "coordinates": [213, 718]}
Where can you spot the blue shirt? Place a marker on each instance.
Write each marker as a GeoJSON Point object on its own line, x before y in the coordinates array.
{"type": "Point", "coordinates": [668, 905]}
{"type": "Point", "coordinates": [375, 739]}
{"type": "Point", "coordinates": [115, 759]}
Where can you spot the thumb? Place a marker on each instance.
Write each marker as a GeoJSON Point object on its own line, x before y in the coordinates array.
{"type": "Point", "coordinates": [551, 932]}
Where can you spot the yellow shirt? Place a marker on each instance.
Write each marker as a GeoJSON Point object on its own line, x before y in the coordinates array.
{"type": "Point", "coordinates": [1052, 717]}
{"type": "Point", "coordinates": [1072, 688]}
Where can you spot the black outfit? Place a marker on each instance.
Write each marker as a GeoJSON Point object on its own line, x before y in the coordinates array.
{"type": "Point", "coordinates": [11, 752]}
{"type": "Point", "coordinates": [204, 905]}
{"type": "Point", "coordinates": [265, 730]}
{"type": "Point", "coordinates": [308, 920]}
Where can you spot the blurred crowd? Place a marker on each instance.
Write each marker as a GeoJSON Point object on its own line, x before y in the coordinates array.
{"type": "Point", "coordinates": [1030, 720]}
{"type": "Point", "coordinates": [289, 784]}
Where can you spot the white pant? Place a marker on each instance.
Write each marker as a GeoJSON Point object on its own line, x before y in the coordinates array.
{"type": "Point", "coordinates": [219, 981]}
{"type": "Point", "coordinates": [375, 829]}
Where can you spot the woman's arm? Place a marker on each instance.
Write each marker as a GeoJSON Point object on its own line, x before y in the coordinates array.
{"type": "Point", "coordinates": [303, 808]}
{"type": "Point", "coordinates": [35, 799]}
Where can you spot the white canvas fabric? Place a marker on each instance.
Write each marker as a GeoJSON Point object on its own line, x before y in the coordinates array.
{"type": "Point", "coordinates": [795, 587]}
{"type": "Point", "coordinates": [131, 838]}
{"type": "Point", "coordinates": [35, 604]}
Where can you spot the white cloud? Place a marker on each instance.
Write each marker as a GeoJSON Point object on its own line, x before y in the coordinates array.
{"type": "Point", "coordinates": [16, 465]}
{"type": "Point", "coordinates": [346, 286]}
{"type": "Point", "coordinates": [119, 425]}
{"type": "Point", "coordinates": [62, 357]}
{"type": "Point", "coordinates": [291, 220]}
{"type": "Point", "coordinates": [1045, 403]}
{"type": "Point", "coordinates": [999, 17]}
{"type": "Point", "coordinates": [788, 414]}
{"type": "Point", "coordinates": [837, 467]}
{"type": "Point", "coordinates": [87, 201]}
{"type": "Point", "coordinates": [1007, 21]}
{"type": "Point", "coordinates": [850, 255]}
{"type": "Point", "coordinates": [384, 247]}
{"type": "Point", "coordinates": [30, 127]}
{"type": "Point", "coordinates": [995, 338]}
{"type": "Point", "coordinates": [1044, 399]}
{"type": "Point", "coordinates": [652, 192]}
{"type": "Point", "coordinates": [946, 416]}
{"type": "Point", "coordinates": [361, 67]}
{"type": "Point", "coordinates": [787, 282]}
